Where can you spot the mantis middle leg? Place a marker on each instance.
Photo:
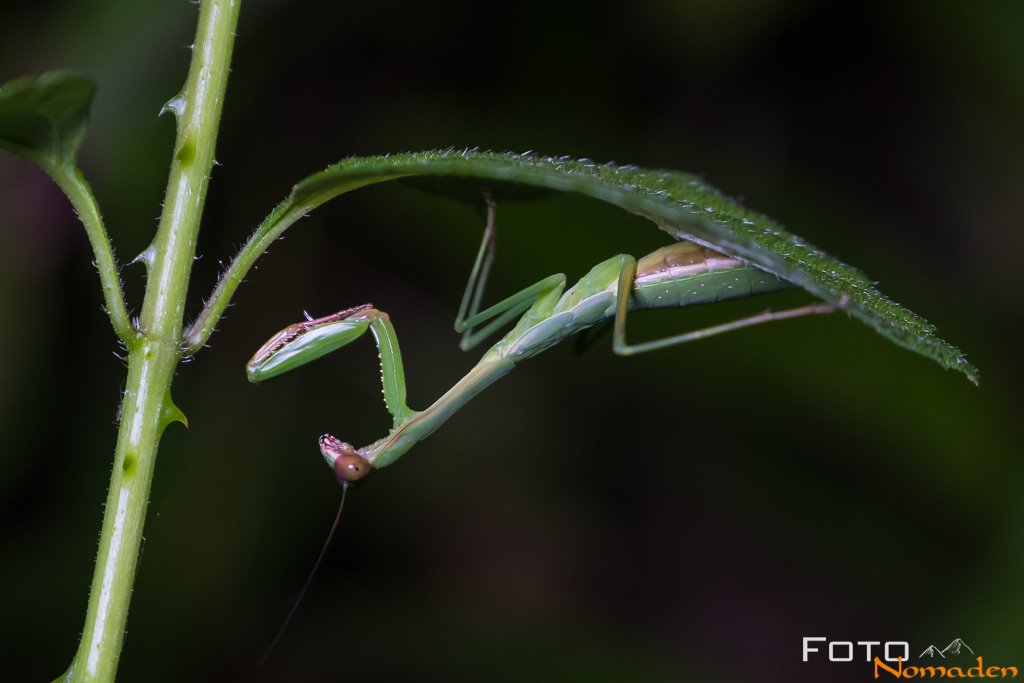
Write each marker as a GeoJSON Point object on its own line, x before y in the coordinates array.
{"type": "Point", "coordinates": [478, 275]}
{"type": "Point", "coordinates": [503, 312]}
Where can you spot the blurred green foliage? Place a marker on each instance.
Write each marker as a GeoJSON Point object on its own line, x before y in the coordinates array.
{"type": "Point", "coordinates": [45, 119]}
{"type": "Point", "coordinates": [690, 514]}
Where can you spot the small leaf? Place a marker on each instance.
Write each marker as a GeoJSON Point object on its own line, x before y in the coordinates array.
{"type": "Point", "coordinates": [44, 119]}
{"type": "Point", "coordinates": [681, 204]}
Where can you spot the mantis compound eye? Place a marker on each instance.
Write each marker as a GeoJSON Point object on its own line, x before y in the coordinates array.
{"type": "Point", "coordinates": [348, 465]}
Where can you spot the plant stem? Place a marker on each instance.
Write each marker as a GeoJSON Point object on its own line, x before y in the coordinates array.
{"type": "Point", "coordinates": [154, 355]}
{"type": "Point", "coordinates": [270, 230]}
{"type": "Point", "coordinates": [70, 180]}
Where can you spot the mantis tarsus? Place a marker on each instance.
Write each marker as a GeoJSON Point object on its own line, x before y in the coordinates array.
{"type": "Point", "coordinates": [680, 274]}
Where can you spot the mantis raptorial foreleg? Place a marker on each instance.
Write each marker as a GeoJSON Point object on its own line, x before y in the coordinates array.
{"type": "Point", "coordinates": [302, 342]}
{"type": "Point", "coordinates": [626, 279]}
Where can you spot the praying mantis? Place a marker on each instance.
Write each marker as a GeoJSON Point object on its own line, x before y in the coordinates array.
{"type": "Point", "coordinates": [680, 274]}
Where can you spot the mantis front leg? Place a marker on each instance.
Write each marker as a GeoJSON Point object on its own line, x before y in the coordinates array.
{"type": "Point", "coordinates": [303, 342]}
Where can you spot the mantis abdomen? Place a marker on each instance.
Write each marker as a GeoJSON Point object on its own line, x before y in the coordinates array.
{"type": "Point", "coordinates": [680, 274]}
{"type": "Point", "coordinates": [685, 273]}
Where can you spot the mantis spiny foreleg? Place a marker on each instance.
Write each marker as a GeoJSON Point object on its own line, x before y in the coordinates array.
{"type": "Point", "coordinates": [305, 341]}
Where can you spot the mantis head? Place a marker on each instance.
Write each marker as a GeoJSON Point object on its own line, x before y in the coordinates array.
{"type": "Point", "coordinates": [348, 465]}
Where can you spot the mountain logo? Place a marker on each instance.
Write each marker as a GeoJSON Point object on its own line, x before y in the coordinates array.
{"type": "Point", "coordinates": [957, 647]}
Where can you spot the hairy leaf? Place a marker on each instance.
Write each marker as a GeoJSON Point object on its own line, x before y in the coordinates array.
{"type": "Point", "coordinates": [681, 204]}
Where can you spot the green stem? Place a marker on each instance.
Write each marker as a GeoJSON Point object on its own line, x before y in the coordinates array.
{"type": "Point", "coordinates": [73, 184]}
{"type": "Point", "coordinates": [271, 229]}
{"type": "Point", "coordinates": [155, 354]}
{"type": "Point", "coordinates": [280, 219]}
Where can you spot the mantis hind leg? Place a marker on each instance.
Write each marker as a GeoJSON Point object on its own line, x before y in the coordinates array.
{"type": "Point", "coordinates": [625, 286]}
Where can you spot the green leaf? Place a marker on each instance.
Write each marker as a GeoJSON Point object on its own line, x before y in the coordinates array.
{"type": "Point", "coordinates": [470, 190]}
{"type": "Point", "coordinates": [679, 203]}
{"type": "Point", "coordinates": [44, 118]}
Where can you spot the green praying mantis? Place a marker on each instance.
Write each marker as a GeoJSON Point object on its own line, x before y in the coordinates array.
{"type": "Point", "coordinates": [681, 274]}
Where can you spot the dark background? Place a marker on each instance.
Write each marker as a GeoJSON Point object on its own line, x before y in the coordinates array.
{"type": "Point", "coordinates": [685, 515]}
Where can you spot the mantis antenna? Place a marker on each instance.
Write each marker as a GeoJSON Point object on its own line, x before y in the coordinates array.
{"type": "Point", "coordinates": [349, 466]}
